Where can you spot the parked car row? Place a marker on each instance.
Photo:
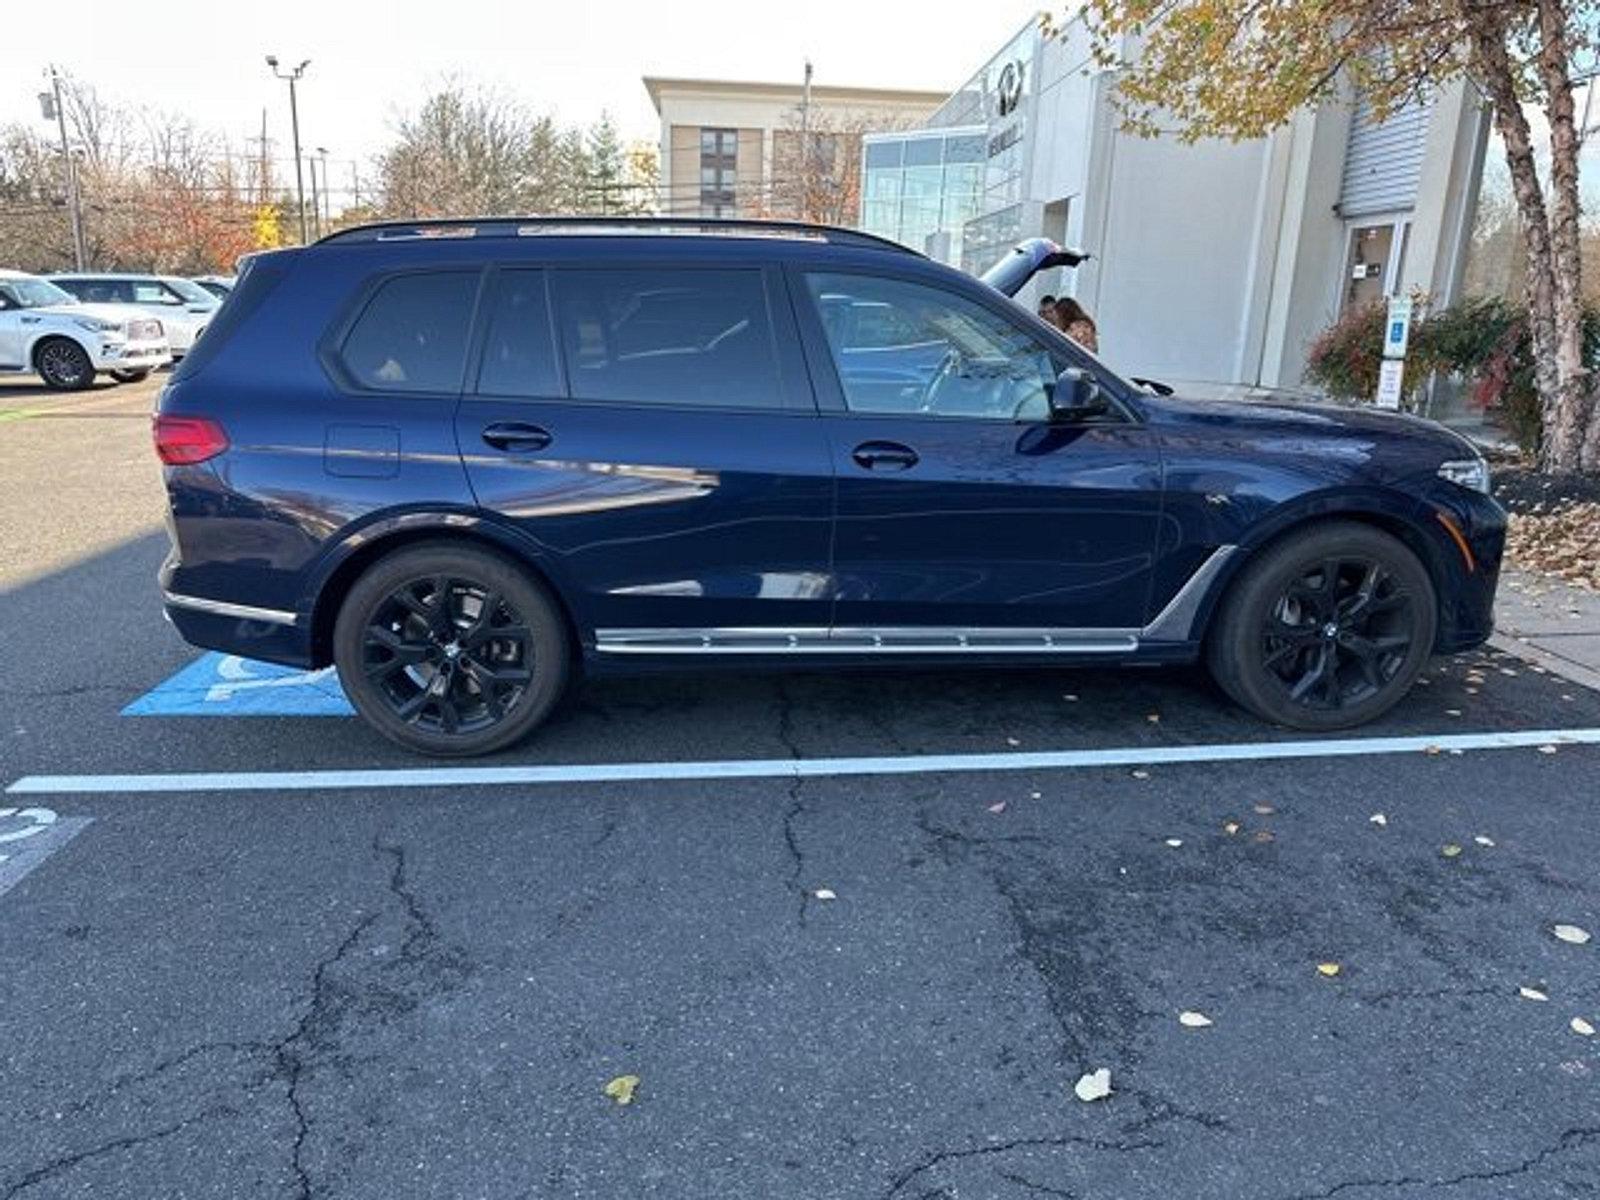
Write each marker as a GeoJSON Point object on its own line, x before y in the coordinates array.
{"type": "Point", "coordinates": [69, 328]}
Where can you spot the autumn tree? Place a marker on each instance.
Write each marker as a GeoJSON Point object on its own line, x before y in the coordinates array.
{"type": "Point", "coordinates": [1239, 68]}
{"type": "Point", "coordinates": [816, 165]}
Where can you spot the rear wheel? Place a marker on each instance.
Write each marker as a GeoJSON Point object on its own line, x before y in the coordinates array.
{"type": "Point", "coordinates": [138, 376]}
{"type": "Point", "coordinates": [451, 651]}
{"type": "Point", "coordinates": [1327, 629]}
{"type": "Point", "coordinates": [64, 365]}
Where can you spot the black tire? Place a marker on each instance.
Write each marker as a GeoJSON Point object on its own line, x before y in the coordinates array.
{"type": "Point", "coordinates": [64, 365]}
{"type": "Point", "coordinates": [1326, 629]}
{"type": "Point", "coordinates": [138, 376]}
{"type": "Point", "coordinates": [435, 678]}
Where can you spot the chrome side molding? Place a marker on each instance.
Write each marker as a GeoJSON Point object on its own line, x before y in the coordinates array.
{"type": "Point", "coordinates": [819, 639]}
{"type": "Point", "coordinates": [1175, 622]}
{"type": "Point", "coordinates": [222, 608]}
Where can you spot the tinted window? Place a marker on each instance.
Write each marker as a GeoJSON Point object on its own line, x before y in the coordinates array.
{"type": "Point", "coordinates": [412, 336]}
{"type": "Point", "coordinates": [678, 337]}
{"type": "Point", "coordinates": [519, 357]}
{"type": "Point", "coordinates": [909, 348]}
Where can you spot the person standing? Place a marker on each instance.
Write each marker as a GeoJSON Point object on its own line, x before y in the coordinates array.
{"type": "Point", "coordinates": [1070, 317]}
{"type": "Point", "coordinates": [1047, 310]}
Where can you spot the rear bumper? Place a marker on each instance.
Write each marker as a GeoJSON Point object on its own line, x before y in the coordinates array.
{"type": "Point", "coordinates": [272, 635]}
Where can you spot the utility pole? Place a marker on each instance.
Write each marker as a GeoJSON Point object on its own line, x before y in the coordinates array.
{"type": "Point", "coordinates": [50, 102]}
{"type": "Point", "coordinates": [805, 146]}
{"type": "Point", "coordinates": [293, 77]}
{"type": "Point", "coordinates": [263, 163]}
{"type": "Point", "coordinates": [316, 202]}
{"type": "Point", "coordinates": [326, 217]}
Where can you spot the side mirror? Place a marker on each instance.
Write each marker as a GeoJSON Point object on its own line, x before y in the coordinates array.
{"type": "Point", "coordinates": [1076, 397]}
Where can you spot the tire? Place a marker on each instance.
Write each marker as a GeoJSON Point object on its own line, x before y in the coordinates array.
{"type": "Point", "coordinates": [64, 365]}
{"type": "Point", "coordinates": [434, 678]}
{"type": "Point", "coordinates": [138, 376]}
{"type": "Point", "coordinates": [1326, 629]}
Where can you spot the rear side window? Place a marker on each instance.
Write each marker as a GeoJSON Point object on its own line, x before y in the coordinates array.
{"type": "Point", "coordinates": [412, 335]}
{"type": "Point", "coordinates": [258, 275]}
{"type": "Point", "coordinates": [519, 353]}
{"type": "Point", "coordinates": [679, 336]}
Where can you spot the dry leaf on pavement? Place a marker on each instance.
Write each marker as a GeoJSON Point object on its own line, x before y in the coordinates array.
{"type": "Point", "coordinates": [1450, 851]}
{"type": "Point", "coordinates": [825, 894]}
{"type": "Point", "coordinates": [1096, 1085]}
{"type": "Point", "coordinates": [1581, 1027]}
{"type": "Point", "coordinates": [1378, 819]}
{"type": "Point", "coordinates": [1193, 1020]}
{"type": "Point", "coordinates": [1174, 842]}
{"type": "Point", "coordinates": [622, 1088]}
{"type": "Point", "coordinates": [1330, 969]}
{"type": "Point", "coordinates": [1528, 993]}
{"type": "Point", "coordinates": [998, 807]}
{"type": "Point", "coordinates": [1571, 933]}
{"type": "Point", "coordinates": [1483, 841]}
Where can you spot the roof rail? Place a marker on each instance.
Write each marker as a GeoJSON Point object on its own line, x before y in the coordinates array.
{"type": "Point", "coordinates": [515, 226]}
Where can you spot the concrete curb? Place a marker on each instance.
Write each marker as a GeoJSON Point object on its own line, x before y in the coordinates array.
{"type": "Point", "coordinates": [1556, 664]}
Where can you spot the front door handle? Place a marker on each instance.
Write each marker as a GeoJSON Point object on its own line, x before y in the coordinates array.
{"type": "Point", "coordinates": [884, 456]}
{"type": "Point", "coordinates": [516, 436]}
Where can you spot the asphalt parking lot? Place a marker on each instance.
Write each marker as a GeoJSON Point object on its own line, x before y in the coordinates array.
{"type": "Point", "coordinates": [849, 980]}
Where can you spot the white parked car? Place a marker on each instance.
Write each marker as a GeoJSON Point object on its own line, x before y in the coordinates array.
{"type": "Point", "coordinates": [185, 308]}
{"type": "Point", "coordinates": [46, 330]}
{"type": "Point", "coordinates": [218, 285]}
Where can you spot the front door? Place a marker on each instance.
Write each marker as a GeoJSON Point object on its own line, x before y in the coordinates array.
{"type": "Point", "coordinates": [960, 505]}
{"type": "Point", "coordinates": [650, 430]}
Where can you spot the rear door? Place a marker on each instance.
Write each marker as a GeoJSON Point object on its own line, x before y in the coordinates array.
{"type": "Point", "coordinates": [650, 428]}
{"type": "Point", "coordinates": [960, 505]}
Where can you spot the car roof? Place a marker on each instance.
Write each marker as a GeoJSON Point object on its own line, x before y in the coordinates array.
{"type": "Point", "coordinates": [9, 273]}
{"type": "Point", "coordinates": [110, 275]}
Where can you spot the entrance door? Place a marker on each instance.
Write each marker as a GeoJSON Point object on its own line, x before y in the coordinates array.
{"type": "Point", "coordinates": [1373, 261]}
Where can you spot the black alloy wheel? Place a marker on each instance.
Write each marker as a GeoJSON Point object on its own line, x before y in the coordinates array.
{"type": "Point", "coordinates": [63, 365]}
{"type": "Point", "coordinates": [450, 651]}
{"type": "Point", "coordinates": [1325, 629]}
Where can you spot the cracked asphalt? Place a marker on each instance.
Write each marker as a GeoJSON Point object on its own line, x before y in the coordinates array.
{"type": "Point", "coordinates": [422, 993]}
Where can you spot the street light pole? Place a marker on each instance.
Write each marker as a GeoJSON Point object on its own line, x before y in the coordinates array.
{"type": "Point", "coordinates": [74, 204]}
{"type": "Point", "coordinates": [293, 77]}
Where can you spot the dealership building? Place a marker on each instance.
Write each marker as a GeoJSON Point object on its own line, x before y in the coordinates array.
{"type": "Point", "coordinates": [1213, 261]}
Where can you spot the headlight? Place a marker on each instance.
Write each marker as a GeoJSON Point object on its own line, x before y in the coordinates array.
{"type": "Point", "coordinates": [1468, 472]}
{"type": "Point", "coordinates": [96, 325]}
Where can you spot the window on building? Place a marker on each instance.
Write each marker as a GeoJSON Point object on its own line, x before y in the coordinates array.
{"type": "Point", "coordinates": [412, 336]}
{"type": "Point", "coordinates": [697, 338]}
{"type": "Point", "coordinates": [904, 347]}
{"type": "Point", "coordinates": [719, 164]}
{"type": "Point", "coordinates": [519, 357]}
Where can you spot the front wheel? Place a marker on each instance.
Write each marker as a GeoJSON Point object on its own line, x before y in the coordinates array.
{"type": "Point", "coordinates": [138, 376]}
{"type": "Point", "coordinates": [451, 651]}
{"type": "Point", "coordinates": [64, 365]}
{"type": "Point", "coordinates": [1325, 630]}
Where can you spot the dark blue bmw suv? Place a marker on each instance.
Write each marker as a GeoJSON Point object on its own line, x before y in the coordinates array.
{"type": "Point", "coordinates": [464, 460]}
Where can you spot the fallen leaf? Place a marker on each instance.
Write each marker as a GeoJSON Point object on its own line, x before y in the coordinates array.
{"type": "Point", "coordinates": [1450, 851]}
{"type": "Point", "coordinates": [1452, 712]}
{"type": "Point", "coordinates": [825, 894]}
{"type": "Point", "coordinates": [1265, 810]}
{"type": "Point", "coordinates": [1264, 835]}
{"type": "Point", "coordinates": [1011, 741]}
{"type": "Point", "coordinates": [998, 807]}
{"type": "Point", "coordinates": [1433, 749]}
{"type": "Point", "coordinates": [1153, 718]}
{"type": "Point", "coordinates": [1528, 993]}
{"type": "Point", "coordinates": [1483, 841]}
{"type": "Point", "coordinates": [1230, 827]}
{"type": "Point", "coordinates": [1378, 819]}
{"type": "Point", "coordinates": [1096, 1085]}
{"type": "Point", "coordinates": [1141, 774]}
{"type": "Point", "coordinates": [1472, 691]}
{"type": "Point", "coordinates": [1571, 933]}
{"type": "Point", "coordinates": [622, 1088]}
{"type": "Point", "coordinates": [1547, 749]}
{"type": "Point", "coordinates": [1581, 1027]}
{"type": "Point", "coordinates": [1330, 969]}
{"type": "Point", "coordinates": [1193, 1020]}
{"type": "Point", "coordinates": [1035, 795]}
{"type": "Point", "coordinates": [1174, 842]}
{"type": "Point", "coordinates": [1071, 697]}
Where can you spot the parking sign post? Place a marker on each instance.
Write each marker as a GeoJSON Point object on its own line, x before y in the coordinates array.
{"type": "Point", "coordinates": [1396, 336]}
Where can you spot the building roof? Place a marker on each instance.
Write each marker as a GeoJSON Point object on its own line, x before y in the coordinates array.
{"type": "Point", "coordinates": [656, 85]}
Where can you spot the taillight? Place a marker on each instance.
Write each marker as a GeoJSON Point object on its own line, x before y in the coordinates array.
{"type": "Point", "coordinates": [181, 441]}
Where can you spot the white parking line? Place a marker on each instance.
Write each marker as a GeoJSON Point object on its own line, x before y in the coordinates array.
{"type": "Point", "coordinates": [789, 768]}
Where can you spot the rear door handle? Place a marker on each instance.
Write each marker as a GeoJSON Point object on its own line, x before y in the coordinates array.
{"type": "Point", "coordinates": [516, 436]}
{"type": "Point", "coordinates": [884, 456]}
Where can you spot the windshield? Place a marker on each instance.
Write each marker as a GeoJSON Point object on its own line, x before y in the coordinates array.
{"type": "Point", "coordinates": [37, 293]}
{"type": "Point", "coordinates": [192, 292]}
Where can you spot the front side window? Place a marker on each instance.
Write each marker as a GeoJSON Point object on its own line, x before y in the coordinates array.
{"type": "Point", "coordinates": [903, 347]}
{"type": "Point", "coordinates": [412, 335]}
{"type": "Point", "coordinates": [684, 337]}
{"type": "Point", "coordinates": [36, 293]}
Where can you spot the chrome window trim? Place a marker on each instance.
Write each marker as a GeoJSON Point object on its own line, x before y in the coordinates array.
{"type": "Point", "coordinates": [222, 608]}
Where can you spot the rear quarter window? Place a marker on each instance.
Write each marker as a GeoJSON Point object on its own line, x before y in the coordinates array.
{"type": "Point", "coordinates": [412, 333]}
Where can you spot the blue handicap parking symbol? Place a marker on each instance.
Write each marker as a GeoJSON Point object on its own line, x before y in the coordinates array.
{"type": "Point", "coordinates": [225, 685]}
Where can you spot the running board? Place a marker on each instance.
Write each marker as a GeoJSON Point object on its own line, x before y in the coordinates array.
{"type": "Point", "coordinates": [1175, 623]}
